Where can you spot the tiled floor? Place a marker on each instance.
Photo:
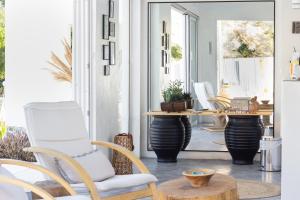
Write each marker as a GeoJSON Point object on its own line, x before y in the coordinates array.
{"type": "Point", "coordinates": [166, 171]}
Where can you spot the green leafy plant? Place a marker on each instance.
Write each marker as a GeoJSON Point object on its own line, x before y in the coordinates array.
{"type": "Point", "coordinates": [2, 129]}
{"type": "Point", "coordinates": [2, 49]}
{"type": "Point", "coordinates": [187, 96]}
{"type": "Point", "coordinates": [176, 52]}
{"type": "Point", "coordinates": [248, 39]}
{"type": "Point", "coordinates": [174, 92]}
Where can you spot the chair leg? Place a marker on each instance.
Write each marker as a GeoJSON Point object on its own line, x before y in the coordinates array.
{"type": "Point", "coordinates": [155, 195]}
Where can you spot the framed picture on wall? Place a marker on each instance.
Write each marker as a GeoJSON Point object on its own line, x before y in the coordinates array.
{"type": "Point", "coordinates": [105, 27]}
{"type": "Point", "coordinates": [163, 40]}
{"type": "Point", "coordinates": [167, 39]}
{"type": "Point", "coordinates": [166, 57]}
{"type": "Point", "coordinates": [105, 52]}
{"type": "Point", "coordinates": [106, 70]}
{"type": "Point", "coordinates": [112, 53]}
{"type": "Point", "coordinates": [164, 26]}
{"type": "Point", "coordinates": [112, 29]}
{"type": "Point", "coordinates": [163, 59]}
{"type": "Point", "coordinates": [111, 9]}
{"type": "Point", "coordinates": [167, 70]}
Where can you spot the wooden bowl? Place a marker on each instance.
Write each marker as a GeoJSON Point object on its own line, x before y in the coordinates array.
{"type": "Point", "coordinates": [198, 177]}
{"type": "Point", "coordinates": [265, 102]}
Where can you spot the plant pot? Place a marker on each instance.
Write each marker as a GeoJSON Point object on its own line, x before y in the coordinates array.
{"type": "Point", "coordinates": [179, 106]}
{"type": "Point", "coordinates": [242, 136]}
{"type": "Point", "coordinates": [187, 131]}
{"type": "Point", "coordinates": [167, 107]}
{"type": "Point", "coordinates": [190, 103]}
{"type": "Point", "coordinates": [166, 137]}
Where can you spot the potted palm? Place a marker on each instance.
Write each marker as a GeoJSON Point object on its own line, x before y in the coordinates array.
{"type": "Point", "coordinates": [173, 98]}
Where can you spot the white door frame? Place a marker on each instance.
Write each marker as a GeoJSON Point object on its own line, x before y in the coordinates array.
{"type": "Point", "coordinates": [83, 63]}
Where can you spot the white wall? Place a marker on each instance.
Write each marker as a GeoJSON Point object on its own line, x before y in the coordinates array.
{"type": "Point", "coordinates": [111, 92]}
{"type": "Point", "coordinates": [285, 40]}
{"type": "Point", "coordinates": [34, 28]}
{"type": "Point", "coordinates": [290, 140]}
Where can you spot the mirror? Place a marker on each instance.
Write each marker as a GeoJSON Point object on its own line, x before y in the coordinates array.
{"type": "Point", "coordinates": [215, 49]}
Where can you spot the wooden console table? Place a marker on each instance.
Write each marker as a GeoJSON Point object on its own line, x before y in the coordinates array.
{"type": "Point", "coordinates": [242, 133]}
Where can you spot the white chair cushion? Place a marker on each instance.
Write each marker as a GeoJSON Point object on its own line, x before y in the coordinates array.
{"type": "Point", "coordinates": [77, 197]}
{"type": "Point", "coordinates": [95, 163]}
{"type": "Point", "coordinates": [59, 126]}
{"type": "Point", "coordinates": [119, 182]}
{"type": "Point", "coordinates": [8, 191]}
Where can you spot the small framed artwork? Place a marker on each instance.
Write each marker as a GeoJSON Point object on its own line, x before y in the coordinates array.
{"type": "Point", "coordinates": [112, 29]}
{"type": "Point", "coordinates": [166, 57]}
{"type": "Point", "coordinates": [163, 59]}
{"type": "Point", "coordinates": [111, 9]}
{"type": "Point", "coordinates": [105, 52]}
{"type": "Point", "coordinates": [106, 70]}
{"type": "Point", "coordinates": [112, 53]}
{"type": "Point", "coordinates": [167, 70]}
{"type": "Point", "coordinates": [164, 26]}
{"type": "Point", "coordinates": [105, 27]}
{"type": "Point", "coordinates": [167, 40]}
{"type": "Point", "coordinates": [163, 40]}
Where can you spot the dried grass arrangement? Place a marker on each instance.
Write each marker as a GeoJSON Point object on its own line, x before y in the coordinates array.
{"type": "Point", "coordinates": [62, 70]}
{"type": "Point", "coordinates": [12, 144]}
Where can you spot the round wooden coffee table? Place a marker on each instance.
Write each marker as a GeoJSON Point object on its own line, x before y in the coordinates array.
{"type": "Point", "coordinates": [220, 187]}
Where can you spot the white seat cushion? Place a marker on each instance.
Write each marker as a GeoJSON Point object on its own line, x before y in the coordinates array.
{"type": "Point", "coordinates": [95, 163]}
{"type": "Point", "coordinates": [8, 191]}
{"type": "Point", "coordinates": [119, 182]}
{"type": "Point", "coordinates": [77, 197]}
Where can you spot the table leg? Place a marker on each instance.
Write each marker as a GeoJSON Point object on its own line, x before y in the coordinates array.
{"type": "Point", "coordinates": [242, 136]}
{"type": "Point", "coordinates": [167, 137]}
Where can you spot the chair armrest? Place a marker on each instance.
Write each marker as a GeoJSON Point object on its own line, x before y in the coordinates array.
{"type": "Point", "coordinates": [131, 156]}
{"type": "Point", "coordinates": [224, 98]}
{"type": "Point", "coordinates": [220, 102]}
{"type": "Point", "coordinates": [39, 168]}
{"type": "Point", "coordinates": [40, 192]}
{"type": "Point", "coordinates": [87, 180]}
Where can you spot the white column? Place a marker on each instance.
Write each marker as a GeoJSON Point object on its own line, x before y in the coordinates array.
{"type": "Point", "coordinates": [290, 130]}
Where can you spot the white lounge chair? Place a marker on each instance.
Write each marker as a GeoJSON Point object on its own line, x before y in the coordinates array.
{"type": "Point", "coordinates": [57, 132]}
{"type": "Point", "coordinates": [210, 101]}
{"type": "Point", "coordinates": [13, 189]}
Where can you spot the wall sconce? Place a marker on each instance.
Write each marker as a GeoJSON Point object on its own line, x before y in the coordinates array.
{"type": "Point", "coordinates": [296, 4]}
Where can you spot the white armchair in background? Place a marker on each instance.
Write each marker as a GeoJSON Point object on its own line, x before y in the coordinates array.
{"type": "Point", "coordinates": [13, 189]}
{"type": "Point", "coordinates": [61, 143]}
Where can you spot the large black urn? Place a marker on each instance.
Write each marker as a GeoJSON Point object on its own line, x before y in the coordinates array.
{"type": "Point", "coordinates": [242, 135]}
{"type": "Point", "coordinates": [167, 137]}
{"type": "Point", "coordinates": [187, 131]}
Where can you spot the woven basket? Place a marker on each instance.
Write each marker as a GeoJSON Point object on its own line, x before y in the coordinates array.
{"type": "Point", "coordinates": [122, 164]}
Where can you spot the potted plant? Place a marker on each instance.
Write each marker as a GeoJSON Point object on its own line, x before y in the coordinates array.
{"type": "Point", "coordinates": [189, 100]}
{"type": "Point", "coordinates": [173, 98]}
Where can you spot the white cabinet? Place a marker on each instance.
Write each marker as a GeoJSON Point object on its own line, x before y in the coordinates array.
{"type": "Point", "coordinates": [290, 132]}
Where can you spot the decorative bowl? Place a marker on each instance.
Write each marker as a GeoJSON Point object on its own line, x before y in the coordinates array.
{"type": "Point", "coordinates": [198, 177]}
{"type": "Point", "coordinates": [265, 102]}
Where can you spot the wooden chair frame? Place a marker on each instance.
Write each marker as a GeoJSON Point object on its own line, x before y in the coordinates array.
{"type": "Point", "coordinates": [151, 189]}
{"type": "Point", "coordinates": [40, 192]}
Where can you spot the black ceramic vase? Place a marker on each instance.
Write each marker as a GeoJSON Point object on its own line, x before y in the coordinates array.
{"type": "Point", "coordinates": [242, 135]}
{"type": "Point", "coordinates": [166, 137]}
{"type": "Point", "coordinates": [187, 131]}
